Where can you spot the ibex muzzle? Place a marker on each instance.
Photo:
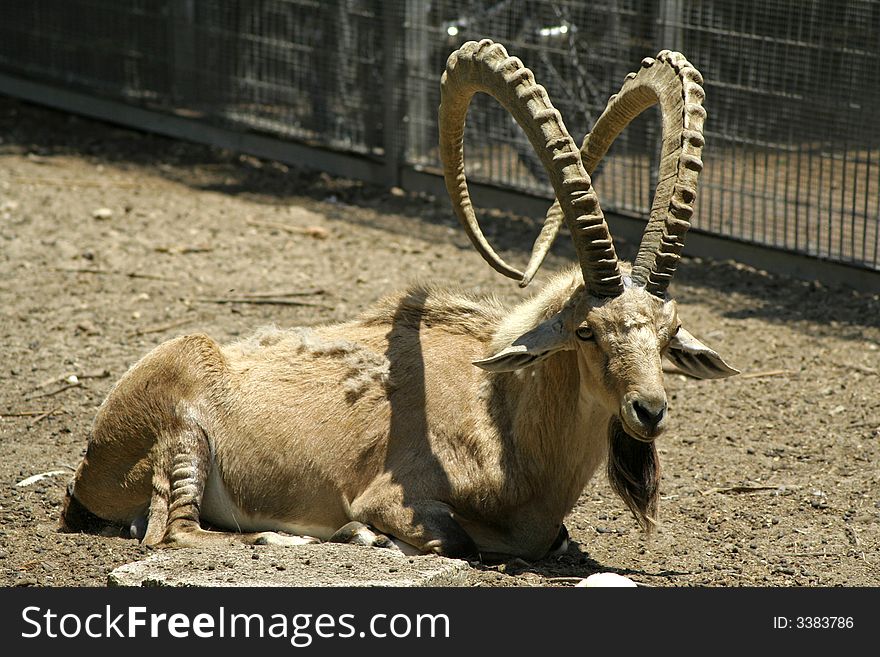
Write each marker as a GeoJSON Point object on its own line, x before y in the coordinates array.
{"type": "Point", "coordinates": [381, 431]}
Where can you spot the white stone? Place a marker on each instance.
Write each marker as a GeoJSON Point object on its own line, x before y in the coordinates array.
{"type": "Point", "coordinates": [604, 580]}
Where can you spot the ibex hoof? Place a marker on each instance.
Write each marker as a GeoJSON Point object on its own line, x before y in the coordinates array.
{"type": "Point", "coordinates": [560, 544]}
{"type": "Point", "coordinates": [357, 533]}
{"type": "Point", "coordinates": [138, 527]}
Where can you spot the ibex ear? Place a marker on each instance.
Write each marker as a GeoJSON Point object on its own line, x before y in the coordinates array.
{"type": "Point", "coordinates": [696, 359]}
{"type": "Point", "coordinates": [531, 347]}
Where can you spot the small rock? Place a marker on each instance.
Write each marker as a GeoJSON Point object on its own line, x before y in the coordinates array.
{"type": "Point", "coordinates": [318, 232]}
{"type": "Point", "coordinates": [606, 580]}
{"type": "Point", "coordinates": [102, 214]}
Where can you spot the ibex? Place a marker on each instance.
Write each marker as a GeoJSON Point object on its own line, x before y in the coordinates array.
{"type": "Point", "coordinates": [436, 421]}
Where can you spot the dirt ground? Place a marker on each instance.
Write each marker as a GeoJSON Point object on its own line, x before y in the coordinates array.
{"type": "Point", "coordinates": [112, 241]}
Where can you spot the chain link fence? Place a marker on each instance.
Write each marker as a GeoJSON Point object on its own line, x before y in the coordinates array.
{"type": "Point", "coordinates": [793, 141]}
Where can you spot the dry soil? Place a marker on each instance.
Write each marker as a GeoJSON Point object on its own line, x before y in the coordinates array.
{"type": "Point", "coordinates": [112, 241]}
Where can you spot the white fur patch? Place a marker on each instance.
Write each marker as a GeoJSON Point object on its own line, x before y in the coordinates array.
{"type": "Point", "coordinates": [218, 509]}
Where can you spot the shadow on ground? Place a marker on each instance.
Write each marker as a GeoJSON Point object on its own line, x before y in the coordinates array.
{"type": "Point", "coordinates": [778, 299]}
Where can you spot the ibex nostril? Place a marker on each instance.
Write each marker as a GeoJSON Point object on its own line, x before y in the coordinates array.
{"type": "Point", "coordinates": [648, 414]}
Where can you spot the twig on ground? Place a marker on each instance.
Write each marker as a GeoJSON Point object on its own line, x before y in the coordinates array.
{"type": "Point", "coordinates": [279, 295]}
{"type": "Point", "coordinates": [864, 423]}
{"type": "Point", "coordinates": [756, 375]}
{"type": "Point", "coordinates": [266, 302]}
{"type": "Point", "coordinates": [738, 489]}
{"type": "Point", "coordinates": [183, 250]}
{"type": "Point", "coordinates": [37, 414]}
{"type": "Point", "coordinates": [48, 382]}
{"type": "Point", "coordinates": [94, 374]}
{"type": "Point", "coordinates": [68, 386]}
{"type": "Point", "coordinates": [318, 232]}
{"type": "Point", "coordinates": [43, 416]}
{"type": "Point", "coordinates": [110, 272]}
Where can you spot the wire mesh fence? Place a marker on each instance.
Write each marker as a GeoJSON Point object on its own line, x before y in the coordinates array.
{"type": "Point", "coordinates": [793, 141]}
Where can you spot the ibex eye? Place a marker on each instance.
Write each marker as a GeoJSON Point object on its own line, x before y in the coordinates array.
{"type": "Point", "coordinates": [584, 333]}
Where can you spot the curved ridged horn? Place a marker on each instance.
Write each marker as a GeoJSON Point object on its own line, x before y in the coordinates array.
{"type": "Point", "coordinates": [486, 67]}
{"type": "Point", "coordinates": [677, 86]}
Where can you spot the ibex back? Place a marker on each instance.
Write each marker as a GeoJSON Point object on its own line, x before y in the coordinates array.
{"type": "Point", "coordinates": [436, 421]}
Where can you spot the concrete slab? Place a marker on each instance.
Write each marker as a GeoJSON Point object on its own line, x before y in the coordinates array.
{"type": "Point", "coordinates": [326, 564]}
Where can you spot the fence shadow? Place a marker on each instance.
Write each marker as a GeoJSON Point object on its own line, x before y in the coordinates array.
{"type": "Point", "coordinates": [810, 306]}
{"type": "Point", "coordinates": [575, 564]}
{"type": "Point", "coordinates": [44, 133]}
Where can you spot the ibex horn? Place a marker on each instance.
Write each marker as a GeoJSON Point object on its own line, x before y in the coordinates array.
{"type": "Point", "coordinates": [677, 86]}
{"type": "Point", "coordinates": [486, 67]}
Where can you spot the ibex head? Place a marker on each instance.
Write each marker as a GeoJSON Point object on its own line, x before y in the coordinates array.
{"type": "Point", "coordinates": [619, 342]}
{"type": "Point", "coordinates": [620, 320]}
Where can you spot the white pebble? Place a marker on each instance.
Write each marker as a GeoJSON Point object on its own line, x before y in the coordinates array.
{"type": "Point", "coordinates": [102, 213]}
{"type": "Point", "coordinates": [604, 580]}
{"type": "Point", "coordinates": [72, 379]}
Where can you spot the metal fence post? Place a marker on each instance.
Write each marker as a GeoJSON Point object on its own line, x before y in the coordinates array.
{"type": "Point", "coordinates": [183, 56]}
{"type": "Point", "coordinates": [668, 37]}
{"type": "Point", "coordinates": [670, 24]}
{"type": "Point", "coordinates": [418, 111]}
{"type": "Point", "coordinates": [394, 21]}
